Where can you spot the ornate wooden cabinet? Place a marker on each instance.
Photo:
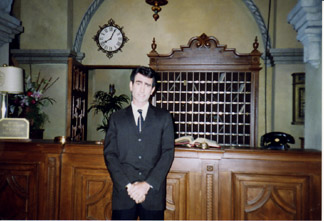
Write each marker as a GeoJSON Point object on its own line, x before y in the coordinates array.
{"type": "Point", "coordinates": [210, 90]}
{"type": "Point", "coordinates": [87, 187]}
{"type": "Point", "coordinates": [259, 185]}
{"type": "Point", "coordinates": [29, 180]}
{"type": "Point", "coordinates": [53, 181]}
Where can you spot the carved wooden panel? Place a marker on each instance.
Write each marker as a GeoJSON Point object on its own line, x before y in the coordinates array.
{"type": "Point", "coordinates": [260, 197]}
{"type": "Point", "coordinates": [18, 191]}
{"type": "Point", "coordinates": [29, 180]}
{"type": "Point", "coordinates": [176, 197]}
{"type": "Point", "coordinates": [88, 187]}
{"type": "Point", "coordinates": [209, 189]}
{"type": "Point", "coordinates": [275, 185]}
{"type": "Point", "coordinates": [93, 193]}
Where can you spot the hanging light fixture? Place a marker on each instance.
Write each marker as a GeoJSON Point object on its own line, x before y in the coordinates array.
{"type": "Point", "coordinates": [156, 7]}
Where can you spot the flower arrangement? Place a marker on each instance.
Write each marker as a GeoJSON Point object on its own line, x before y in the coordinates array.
{"type": "Point", "coordinates": [29, 104]}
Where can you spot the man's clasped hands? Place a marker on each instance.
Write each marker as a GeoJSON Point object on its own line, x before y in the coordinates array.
{"type": "Point", "coordinates": [138, 190]}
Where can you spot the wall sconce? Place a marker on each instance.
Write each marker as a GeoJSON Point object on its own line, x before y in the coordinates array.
{"type": "Point", "coordinates": [156, 7]}
{"type": "Point", "coordinates": [11, 82]}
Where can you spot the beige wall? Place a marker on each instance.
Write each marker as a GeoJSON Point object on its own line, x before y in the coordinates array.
{"type": "Point", "coordinates": [45, 24]}
{"type": "Point", "coordinates": [230, 21]}
{"type": "Point", "coordinates": [285, 35]}
{"type": "Point", "coordinates": [223, 19]}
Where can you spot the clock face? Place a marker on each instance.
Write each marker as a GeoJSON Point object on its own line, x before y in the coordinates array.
{"type": "Point", "coordinates": [111, 38]}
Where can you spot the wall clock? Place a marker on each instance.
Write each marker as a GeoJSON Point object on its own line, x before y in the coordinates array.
{"type": "Point", "coordinates": [110, 38]}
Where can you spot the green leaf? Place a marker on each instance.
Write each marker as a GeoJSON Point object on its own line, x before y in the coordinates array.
{"type": "Point", "coordinates": [106, 103]}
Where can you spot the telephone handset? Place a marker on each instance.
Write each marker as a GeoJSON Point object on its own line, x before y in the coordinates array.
{"type": "Point", "coordinates": [276, 141]}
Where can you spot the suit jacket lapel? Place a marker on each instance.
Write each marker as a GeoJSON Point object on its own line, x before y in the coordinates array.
{"type": "Point", "coordinates": [149, 117]}
{"type": "Point", "coordinates": [130, 117]}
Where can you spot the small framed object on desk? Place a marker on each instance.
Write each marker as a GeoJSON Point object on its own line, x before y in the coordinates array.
{"type": "Point", "coordinates": [298, 98]}
{"type": "Point", "coordinates": [14, 128]}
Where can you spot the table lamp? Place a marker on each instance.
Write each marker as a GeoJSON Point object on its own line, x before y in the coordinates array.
{"type": "Point", "coordinates": [11, 82]}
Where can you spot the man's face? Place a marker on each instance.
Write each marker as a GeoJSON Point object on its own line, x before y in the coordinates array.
{"type": "Point", "coordinates": [141, 89]}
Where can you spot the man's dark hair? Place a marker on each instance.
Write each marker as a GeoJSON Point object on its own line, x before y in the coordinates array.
{"type": "Point", "coordinates": [147, 72]}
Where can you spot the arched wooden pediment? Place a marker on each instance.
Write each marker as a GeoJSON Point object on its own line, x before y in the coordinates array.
{"type": "Point", "coordinates": [205, 52]}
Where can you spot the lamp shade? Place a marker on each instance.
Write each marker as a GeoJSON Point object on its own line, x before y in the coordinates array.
{"type": "Point", "coordinates": [11, 80]}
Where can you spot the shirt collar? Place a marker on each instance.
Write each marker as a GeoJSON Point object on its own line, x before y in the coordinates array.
{"type": "Point", "coordinates": [144, 110]}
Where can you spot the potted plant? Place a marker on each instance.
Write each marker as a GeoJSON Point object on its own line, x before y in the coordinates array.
{"type": "Point", "coordinates": [29, 104]}
{"type": "Point", "coordinates": [107, 103]}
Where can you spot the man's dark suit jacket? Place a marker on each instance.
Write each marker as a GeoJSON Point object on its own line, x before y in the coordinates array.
{"type": "Point", "coordinates": [132, 156]}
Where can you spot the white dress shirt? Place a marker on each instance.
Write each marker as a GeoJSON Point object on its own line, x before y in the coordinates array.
{"type": "Point", "coordinates": [136, 114]}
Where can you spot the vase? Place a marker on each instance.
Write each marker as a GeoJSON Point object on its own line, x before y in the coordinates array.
{"type": "Point", "coordinates": [36, 133]}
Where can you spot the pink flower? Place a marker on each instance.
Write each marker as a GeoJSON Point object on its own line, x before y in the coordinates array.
{"type": "Point", "coordinates": [37, 95]}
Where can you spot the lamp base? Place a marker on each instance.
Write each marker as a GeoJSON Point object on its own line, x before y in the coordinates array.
{"type": "Point", "coordinates": [3, 105]}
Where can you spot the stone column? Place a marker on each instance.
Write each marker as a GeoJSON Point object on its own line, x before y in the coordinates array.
{"type": "Point", "coordinates": [306, 18]}
{"type": "Point", "coordinates": [9, 27]}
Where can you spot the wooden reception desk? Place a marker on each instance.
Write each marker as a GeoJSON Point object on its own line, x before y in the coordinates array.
{"type": "Point", "coordinates": [47, 180]}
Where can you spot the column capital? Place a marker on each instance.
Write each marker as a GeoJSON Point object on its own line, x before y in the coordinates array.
{"type": "Point", "coordinates": [9, 27]}
{"type": "Point", "coordinates": [306, 19]}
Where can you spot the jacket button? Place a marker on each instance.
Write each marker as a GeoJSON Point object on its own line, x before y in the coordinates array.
{"type": "Point", "coordinates": [139, 140]}
{"type": "Point", "coordinates": [140, 173]}
{"type": "Point", "coordinates": [139, 157]}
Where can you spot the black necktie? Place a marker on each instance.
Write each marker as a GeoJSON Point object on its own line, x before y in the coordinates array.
{"type": "Point", "coordinates": [140, 120]}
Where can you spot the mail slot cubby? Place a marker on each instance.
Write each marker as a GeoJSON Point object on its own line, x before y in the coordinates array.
{"type": "Point", "coordinates": [211, 91]}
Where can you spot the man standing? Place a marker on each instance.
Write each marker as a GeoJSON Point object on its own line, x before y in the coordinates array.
{"type": "Point", "coordinates": [139, 151]}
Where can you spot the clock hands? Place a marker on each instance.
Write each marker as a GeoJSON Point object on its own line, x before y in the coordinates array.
{"type": "Point", "coordinates": [110, 36]}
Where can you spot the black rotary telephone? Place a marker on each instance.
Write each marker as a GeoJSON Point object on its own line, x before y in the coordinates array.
{"type": "Point", "coordinates": [276, 141]}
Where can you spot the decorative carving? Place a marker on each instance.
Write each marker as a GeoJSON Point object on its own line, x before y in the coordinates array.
{"type": "Point", "coordinates": [255, 44]}
{"type": "Point", "coordinates": [170, 203]}
{"type": "Point", "coordinates": [210, 168]}
{"type": "Point", "coordinates": [79, 103]}
{"type": "Point", "coordinates": [204, 41]}
{"type": "Point", "coordinates": [18, 190]}
{"type": "Point", "coordinates": [153, 46]}
{"type": "Point", "coordinates": [51, 194]}
{"type": "Point", "coordinates": [209, 195]}
{"type": "Point", "coordinates": [176, 197]}
{"type": "Point", "coordinates": [194, 58]}
{"type": "Point", "coordinates": [281, 198]}
{"type": "Point", "coordinates": [97, 189]}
